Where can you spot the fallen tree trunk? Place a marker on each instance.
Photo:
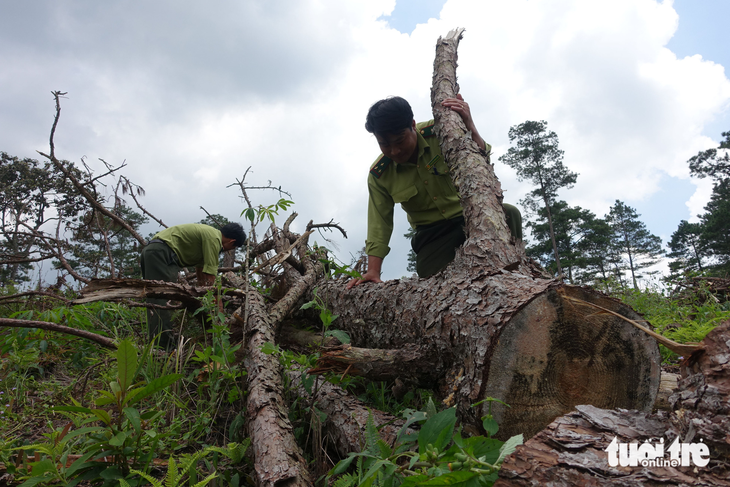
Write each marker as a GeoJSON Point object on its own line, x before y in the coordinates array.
{"type": "Point", "coordinates": [572, 450]}
{"type": "Point", "coordinates": [278, 460]}
{"type": "Point", "coordinates": [492, 323]}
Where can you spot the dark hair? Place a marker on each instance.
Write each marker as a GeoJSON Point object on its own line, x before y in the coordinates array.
{"type": "Point", "coordinates": [389, 116]}
{"type": "Point", "coordinates": [235, 232]}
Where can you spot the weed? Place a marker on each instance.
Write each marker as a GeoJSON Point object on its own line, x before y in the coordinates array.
{"type": "Point", "coordinates": [442, 453]}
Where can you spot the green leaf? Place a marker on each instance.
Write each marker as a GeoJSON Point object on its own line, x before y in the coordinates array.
{"type": "Point", "coordinates": [33, 481]}
{"type": "Point", "coordinates": [414, 480]}
{"type": "Point", "coordinates": [102, 415]}
{"type": "Point", "coordinates": [250, 214]}
{"type": "Point", "coordinates": [438, 430]}
{"type": "Point", "coordinates": [375, 467]}
{"type": "Point", "coordinates": [132, 415]}
{"type": "Point", "coordinates": [481, 446]}
{"type": "Point", "coordinates": [431, 410]}
{"type": "Point", "coordinates": [42, 467]}
{"type": "Point", "coordinates": [118, 439]}
{"type": "Point", "coordinates": [343, 465]}
{"type": "Point", "coordinates": [72, 409]}
{"type": "Point", "coordinates": [126, 363]}
{"type": "Point", "coordinates": [490, 425]}
{"type": "Point", "coordinates": [341, 335]}
{"type": "Point", "coordinates": [153, 387]}
{"type": "Point", "coordinates": [509, 447]}
{"type": "Point", "coordinates": [308, 305]}
{"type": "Point", "coordinates": [80, 463]}
{"type": "Point", "coordinates": [268, 348]}
{"type": "Point", "coordinates": [385, 449]}
{"type": "Point", "coordinates": [458, 478]}
{"type": "Point", "coordinates": [151, 415]}
{"type": "Point", "coordinates": [108, 398]}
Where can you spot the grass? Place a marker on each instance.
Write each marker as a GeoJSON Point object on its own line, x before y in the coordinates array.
{"type": "Point", "coordinates": [683, 320]}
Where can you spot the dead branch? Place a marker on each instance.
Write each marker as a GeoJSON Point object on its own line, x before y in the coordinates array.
{"type": "Point", "coordinates": [131, 186]}
{"type": "Point", "coordinates": [45, 325]}
{"type": "Point", "coordinates": [331, 224]}
{"type": "Point", "coordinates": [78, 185]}
{"type": "Point", "coordinates": [36, 293]}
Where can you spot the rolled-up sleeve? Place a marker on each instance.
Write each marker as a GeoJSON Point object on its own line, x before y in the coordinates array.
{"type": "Point", "coordinates": [211, 248]}
{"type": "Point", "coordinates": [380, 219]}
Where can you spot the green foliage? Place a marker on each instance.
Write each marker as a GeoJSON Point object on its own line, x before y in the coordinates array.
{"type": "Point", "coordinates": [443, 456]}
{"type": "Point", "coordinates": [677, 319]}
{"type": "Point", "coordinates": [713, 239]}
{"type": "Point", "coordinates": [411, 254]}
{"type": "Point", "coordinates": [687, 249]}
{"type": "Point", "coordinates": [260, 213]}
{"type": "Point", "coordinates": [536, 157]}
{"type": "Point", "coordinates": [326, 317]}
{"type": "Point", "coordinates": [639, 247]}
{"type": "Point", "coordinates": [217, 377]}
{"type": "Point", "coordinates": [101, 248]}
{"type": "Point", "coordinates": [30, 193]}
{"type": "Point", "coordinates": [583, 242]}
{"type": "Point", "coordinates": [127, 438]}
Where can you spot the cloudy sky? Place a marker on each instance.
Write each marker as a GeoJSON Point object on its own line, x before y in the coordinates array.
{"type": "Point", "coordinates": [190, 94]}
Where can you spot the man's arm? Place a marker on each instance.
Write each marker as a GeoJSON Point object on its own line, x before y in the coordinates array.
{"type": "Point", "coordinates": [372, 274]}
{"type": "Point", "coordinates": [462, 108]}
{"type": "Point", "coordinates": [203, 278]}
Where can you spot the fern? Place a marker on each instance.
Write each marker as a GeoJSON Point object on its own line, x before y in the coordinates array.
{"type": "Point", "coordinates": [372, 436]}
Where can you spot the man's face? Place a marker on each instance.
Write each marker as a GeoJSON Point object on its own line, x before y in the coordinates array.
{"type": "Point", "coordinates": [401, 147]}
{"type": "Point", "coordinates": [229, 244]}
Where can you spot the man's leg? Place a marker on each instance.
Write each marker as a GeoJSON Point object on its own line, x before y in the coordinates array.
{"type": "Point", "coordinates": [514, 220]}
{"type": "Point", "coordinates": [435, 245]}
{"type": "Point", "coordinates": [158, 264]}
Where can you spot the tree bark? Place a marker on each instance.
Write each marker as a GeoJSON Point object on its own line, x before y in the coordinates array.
{"type": "Point", "coordinates": [497, 326]}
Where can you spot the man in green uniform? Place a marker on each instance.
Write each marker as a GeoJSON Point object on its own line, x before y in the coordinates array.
{"type": "Point", "coordinates": [412, 171]}
{"type": "Point", "coordinates": [189, 245]}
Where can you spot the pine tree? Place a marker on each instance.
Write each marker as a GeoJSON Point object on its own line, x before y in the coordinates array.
{"type": "Point", "coordinates": [411, 254]}
{"type": "Point", "coordinates": [637, 245]}
{"type": "Point", "coordinates": [687, 249]}
{"type": "Point", "coordinates": [536, 157]}
{"type": "Point", "coordinates": [714, 236]}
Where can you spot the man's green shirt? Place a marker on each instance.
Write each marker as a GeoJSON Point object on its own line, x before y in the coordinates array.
{"type": "Point", "coordinates": [424, 190]}
{"type": "Point", "coordinates": [195, 244]}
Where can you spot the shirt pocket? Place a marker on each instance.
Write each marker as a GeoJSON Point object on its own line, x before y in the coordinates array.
{"type": "Point", "coordinates": [404, 194]}
{"type": "Point", "coordinates": [438, 166]}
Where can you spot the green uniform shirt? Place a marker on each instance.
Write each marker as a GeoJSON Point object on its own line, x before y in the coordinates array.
{"type": "Point", "coordinates": [195, 244]}
{"type": "Point", "coordinates": [424, 190]}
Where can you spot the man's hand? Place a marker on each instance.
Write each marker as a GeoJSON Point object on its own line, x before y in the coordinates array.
{"type": "Point", "coordinates": [203, 278]}
{"type": "Point", "coordinates": [372, 274]}
{"type": "Point", "coordinates": [462, 108]}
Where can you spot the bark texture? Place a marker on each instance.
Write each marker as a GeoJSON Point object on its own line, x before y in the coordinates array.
{"type": "Point", "coordinates": [571, 450]}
